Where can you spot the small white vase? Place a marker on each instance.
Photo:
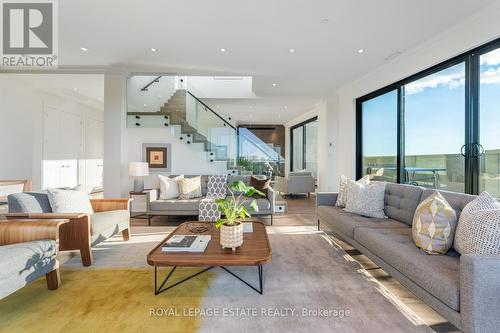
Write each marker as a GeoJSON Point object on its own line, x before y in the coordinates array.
{"type": "Point", "coordinates": [231, 236]}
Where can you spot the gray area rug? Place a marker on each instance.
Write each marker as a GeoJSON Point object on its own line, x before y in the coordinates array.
{"type": "Point", "coordinates": [308, 273]}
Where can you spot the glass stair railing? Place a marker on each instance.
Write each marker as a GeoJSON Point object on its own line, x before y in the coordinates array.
{"type": "Point", "coordinates": [167, 104]}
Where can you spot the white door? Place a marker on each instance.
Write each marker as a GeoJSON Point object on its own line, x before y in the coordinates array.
{"type": "Point", "coordinates": [62, 148]}
{"type": "Point", "coordinates": [94, 152]}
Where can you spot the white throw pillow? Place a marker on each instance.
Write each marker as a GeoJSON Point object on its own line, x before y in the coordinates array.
{"type": "Point", "coordinates": [478, 229]}
{"type": "Point", "coordinates": [69, 201]}
{"type": "Point", "coordinates": [366, 200]}
{"type": "Point", "coordinates": [169, 187]}
{"type": "Point", "coordinates": [342, 195]}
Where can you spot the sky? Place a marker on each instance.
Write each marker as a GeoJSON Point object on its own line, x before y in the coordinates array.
{"type": "Point", "coordinates": [435, 113]}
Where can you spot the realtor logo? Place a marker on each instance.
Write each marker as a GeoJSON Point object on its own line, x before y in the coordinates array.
{"type": "Point", "coordinates": [29, 34]}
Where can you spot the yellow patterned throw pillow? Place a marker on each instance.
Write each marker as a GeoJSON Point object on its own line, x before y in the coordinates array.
{"type": "Point", "coordinates": [434, 225]}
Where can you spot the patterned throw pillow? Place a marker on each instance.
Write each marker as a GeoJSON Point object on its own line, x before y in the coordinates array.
{"type": "Point", "coordinates": [434, 225]}
{"type": "Point", "coordinates": [367, 200]}
{"type": "Point", "coordinates": [190, 188]}
{"type": "Point", "coordinates": [217, 186]}
{"type": "Point", "coordinates": [208, 210]}
{"type": "Point", "coordinates": [478, 229]}
{"type": "Point", "coordinates": [342, 195]}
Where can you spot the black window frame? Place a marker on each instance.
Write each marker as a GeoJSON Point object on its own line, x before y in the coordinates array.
{"type": "Point", "coordinates": [302, 124]}
{"type": "Point", "coordinates": [472, 114]}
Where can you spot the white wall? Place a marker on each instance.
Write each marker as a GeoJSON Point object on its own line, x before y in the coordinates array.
{"type": "Point", "coordinates": [21, 126]}
{"type": "Point", "coordinates": [184, 160]}
{"type": "Point", "coordinates": [324, 110]}
{"type": "Point", "coordinates": [473, 32]}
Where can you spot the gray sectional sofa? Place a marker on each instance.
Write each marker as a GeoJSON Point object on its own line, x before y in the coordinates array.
{"type": "Point", "coordinates": [463, 289]}
{"type": "Point", "coordinates": [178, 207]}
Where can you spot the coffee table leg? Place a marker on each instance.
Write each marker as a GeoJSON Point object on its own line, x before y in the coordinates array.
{"type": "Point", "coordinates": [261, 274]}
{"type": "Point", "coordinates": [160, 290]}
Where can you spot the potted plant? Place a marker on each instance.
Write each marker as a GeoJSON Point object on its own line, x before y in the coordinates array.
{"type": "Point", "coordinates": [231, 228]}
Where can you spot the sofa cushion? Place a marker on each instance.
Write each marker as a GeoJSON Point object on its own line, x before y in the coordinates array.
{"type": "Point", "coordinates": [176, 205]}
{"type": "Point", "coordinates": [190, 188]}
{"type": "Point", "coordinates": [437, 274]}
{"type": "Point", "coordinates": [29, 202]}
{"type": "Point", "coordinates": [346, 222]}
{"type": "Point", "coordinates": [106, 224]}
{"type": "Point", "coordinates": [456, 200]}
{"type": "Point", "coordinates": [263, 203]}
{"type": "Point", "coordinates": [401, 201]}
{"type": "Point", "coordinates": [25, 262]}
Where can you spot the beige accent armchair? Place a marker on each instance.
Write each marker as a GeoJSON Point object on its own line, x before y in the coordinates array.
{"type": "Point", "coordinates": [296, 183]}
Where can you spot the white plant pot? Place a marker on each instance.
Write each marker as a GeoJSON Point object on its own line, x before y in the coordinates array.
{"type": "Point", "coordinates": [231, 236]}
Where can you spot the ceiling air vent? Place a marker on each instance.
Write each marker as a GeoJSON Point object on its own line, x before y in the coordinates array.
{"type": "Point", "coordinates": [393, 56]}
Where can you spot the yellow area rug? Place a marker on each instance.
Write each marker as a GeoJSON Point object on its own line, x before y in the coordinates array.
{"type": "Point", "coordinates": [106, 300]}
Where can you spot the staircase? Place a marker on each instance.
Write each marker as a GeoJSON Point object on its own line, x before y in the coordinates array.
{"type": "Point", "coordinates": [206, 132]}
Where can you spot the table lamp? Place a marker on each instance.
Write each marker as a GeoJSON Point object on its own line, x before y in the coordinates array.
{"type": "Point", "coordinates": [138, 170]}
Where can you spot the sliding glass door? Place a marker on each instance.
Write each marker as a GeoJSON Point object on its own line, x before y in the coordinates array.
{"type": "Point", "coordinates": [434, 129]}
{"type": "Point", "coordinates": [304, 146]}
{"type": "Point", "coordinates": [440, 127]}
{"type": "Point", "coordinates": [488, 149]}
{"type": "Point", "coordinates": [379, 136]}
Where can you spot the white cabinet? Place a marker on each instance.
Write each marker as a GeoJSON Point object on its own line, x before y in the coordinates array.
{"type": "Point", "coordinates": [62, 148]}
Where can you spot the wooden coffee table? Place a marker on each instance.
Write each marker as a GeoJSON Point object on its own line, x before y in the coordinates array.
{"type": "Point", "coordinates": [255, 251]}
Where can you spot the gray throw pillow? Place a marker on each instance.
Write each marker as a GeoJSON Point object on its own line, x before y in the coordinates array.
{"type": "Point", "coordinates": [366, 200]}
{"type": "Point", "coordinates": [69, 201]}
{"type": "Point", "coordinates": [478, 229]}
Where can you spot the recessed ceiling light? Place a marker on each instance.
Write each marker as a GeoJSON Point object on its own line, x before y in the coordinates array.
{"type": "Point", "coordinates": [218, 106]}
{"type": "Point", "coordinates": [223, 50]}
{"type": "Point", "coordinates": [324, 20]}
{"type": "Point", "coordinates": [145, 105]}
{"type": "Point", "coordinates": [99, 99]}
{"type": "Point", "coordinates": [84, 49]}
{"type": "Point", "coordinates": [159, 96]}
{"type": "Point", "coordinates": [286, 106]}
{"type": "Point", "coordinates": [275, 84]}
{"type": "Point", "coordinates": [279, 116]}
{"type": "Point", "coordinates": [292, 50]}
{"type": "Point", "coordinates": [361, 51]}
{"type": "Point", "coordinates": [75, 89]}
{"type": "Point", "coordinates": [153, 49]}
{"type": "Point", "coordinates": [250, 106]}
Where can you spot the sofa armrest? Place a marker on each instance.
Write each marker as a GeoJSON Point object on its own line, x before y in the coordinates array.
{"type": "Point", "coordinates": [271, 196]}
{"type": "Point", "coordinates": [104, 205]}
{"type": "Point", "coordinates": [43, 216]}
{"type": "Point", "coordinates": [20, 231]}
{"type": "Point", "coordinates": [326, 198]}
{"type": "Point", "coordinates": [480, 292]}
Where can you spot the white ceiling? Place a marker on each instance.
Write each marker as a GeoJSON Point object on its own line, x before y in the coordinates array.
{"type": "Point", "coordinates": [85, 88]}
{"type": "Point", "coordinates": [257, 36]}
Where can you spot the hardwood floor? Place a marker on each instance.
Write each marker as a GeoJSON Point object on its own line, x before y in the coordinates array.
{"type": "Point", "coordinates": [301, 211]}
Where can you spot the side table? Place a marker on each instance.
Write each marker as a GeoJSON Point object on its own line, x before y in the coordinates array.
{"type": "Point", "coordinates": [144, 215]}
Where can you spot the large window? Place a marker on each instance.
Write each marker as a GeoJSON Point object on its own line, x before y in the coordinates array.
{"type": "Point", "coordinates": [304, 146]}
{"type": "Point", "coordinates": [489, 125]}
{"type": "Point", "coordinates": [438, 128]}
{"type": "Point", "coordinates": [434, 122]}
{"type": "Point", "coordinates": [379, 137]}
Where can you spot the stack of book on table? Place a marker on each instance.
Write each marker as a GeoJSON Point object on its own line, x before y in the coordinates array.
{"type": "Point", "coordinates": [186, 243]}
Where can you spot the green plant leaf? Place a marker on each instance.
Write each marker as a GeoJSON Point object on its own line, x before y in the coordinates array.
{"type": "Point", "coordinates": [254, 206]}
{"type": "Point", "coordinates": [238, 186]}
{"type": "Point", "coordinates": [219, 222]}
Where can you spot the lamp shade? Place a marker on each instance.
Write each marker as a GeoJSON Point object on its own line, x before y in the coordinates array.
{"type": "Point", "coordinates": [138, 169]}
